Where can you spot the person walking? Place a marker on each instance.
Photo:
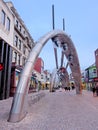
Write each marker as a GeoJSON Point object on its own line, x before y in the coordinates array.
{"type": "Point", "coordinates": [73, 86]}
{"type": "Point", "coordinates": [94, 91]}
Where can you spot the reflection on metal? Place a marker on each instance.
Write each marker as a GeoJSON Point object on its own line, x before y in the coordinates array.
{"type": "Point", "coordinates": [56, 44]}
{"type": "Point", "coordinates": [53, 80]}
{"type": "Point", "coordinates": [62, 58]}
{"type": "Point", "coordinates": [63, 77]}
{"type": "Point", "coordinates": [56, 58]}
{"type": "Point", "coordinates": [70, 57]}
{"type": "Point", "coordinates": [19, 105]}
{"type": "Point", "coordinates": [64, 47]}
{"type": "Point", "coordinates": [67, 65]}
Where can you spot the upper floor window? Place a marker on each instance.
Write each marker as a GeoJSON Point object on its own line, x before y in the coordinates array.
{"type": "Point", "coordinates": [24, 32]}
{"type": "Point", "coordinates": [19, 44]}
{"type": "Point", "coordinates": [8, 24]}
{"type": "Point", "coordinates": [18, 59]}
{"type": "Point", "coordinates": [24, 49]}
{"type": "Point", "coordinates": [20, 28]}
{"type": "Point", "coordinates": [24, 60]}
{"type": "Point", "coordinates": [17, 23]}
{"type": "Point", "coordinates": [3, 17]}
{"type": "Point", "coordinates": [16, 41]}
{"type": "Point", "coordinates": [94, 71]}
{"type": "Point", "coordinates": [15, 57]}
{"type": "Point", "coordinates": [28, 52]}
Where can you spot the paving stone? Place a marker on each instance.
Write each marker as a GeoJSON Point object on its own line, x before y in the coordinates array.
{"type": "Point", "coordinates": [55, 111]}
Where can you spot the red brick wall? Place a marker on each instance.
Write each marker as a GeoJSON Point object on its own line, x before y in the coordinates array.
{"type": "Point", "coordinates": [39, 64]}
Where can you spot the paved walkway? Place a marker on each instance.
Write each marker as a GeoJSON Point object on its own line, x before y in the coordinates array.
{"type": "Point", "coordinates": [59, 110]}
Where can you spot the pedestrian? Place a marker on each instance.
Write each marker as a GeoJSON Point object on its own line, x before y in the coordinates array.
{"type": "Point", "coordinates": [65, 88]}
{"type": "Point", "coordinates": [73, 86]}
{"type": "Point", "coordinates": [68, 88]}
{"type": "Point", "coordinates": [94, 91]}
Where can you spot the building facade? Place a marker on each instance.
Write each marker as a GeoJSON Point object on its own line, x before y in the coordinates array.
{"type": "Point", "coordinates": [96, 60]}
{"type": "Point", "coordinates": [15, 45]}
{"type": "Point", "coordinates": [22, 40]}
{"type": "Point", "coordinates": [90, 75]}
{"type": "Point", "coordinates": [6, 42]}
{"type": "Point", "coordinates": [39, 70]}
{"type": "Point", "coordinates": [39, 65]}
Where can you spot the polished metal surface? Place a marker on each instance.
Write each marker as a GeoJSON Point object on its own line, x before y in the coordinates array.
{"type": "Point", "coordinates": [19, 104]}
{"type": "Point", "coordinates": [53, 80]}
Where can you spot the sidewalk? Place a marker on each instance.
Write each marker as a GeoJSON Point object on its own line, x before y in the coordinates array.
{"type": "Point", "coordinates": [5, 106]}
{"type": "Point", "coordinates": [59, 110]}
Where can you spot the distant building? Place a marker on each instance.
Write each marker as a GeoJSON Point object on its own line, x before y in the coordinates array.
{"type": "Point", "coordinates": [43, 76]}
{"type": "Point", "coordinates": [90, 75]}
{"type": "Point", "coordinates": [47, 78]}
{"type": "Point", "coordinates": [39, 70]}
{"type": "Point", "coordinates": [39, 65]}
{"type": "Point", "coordinates": [96, 60]}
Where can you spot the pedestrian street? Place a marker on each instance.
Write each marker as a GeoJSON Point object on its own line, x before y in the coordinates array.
{"type": "Point", "coordinates": [60, 110]}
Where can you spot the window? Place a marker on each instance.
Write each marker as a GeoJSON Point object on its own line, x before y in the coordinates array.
{"type": "Point", "coordinates": [16, 41]}
{"type": "Point", "coordinates": [24, 32]}
{"type": "Point", "coordinates": [3, 17]}
{"type": "Point", "coordinates": [94, 71]}
{"type": "Point", "coordinates": [28, 52]}
{"type": "Point", "coordinates": [24, 49]}
{"type": "Point", "coordinates": [18, 59]}
{"type": "Point", "coordinates": [24, 60]}
{"type": "Point", "coordinates": [20, 28]}
{"type": "Point", "coordinates": [19, 44]}
{"type": "Point", "coordinates": [8, 24]}
{"type": "Point", "coordinates": [17, 23]}
{"type": "Point", "coordinates": [15, 57]}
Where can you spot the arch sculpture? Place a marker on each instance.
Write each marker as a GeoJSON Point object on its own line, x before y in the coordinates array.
{"type": "Point", "coordinates": [19, 104]}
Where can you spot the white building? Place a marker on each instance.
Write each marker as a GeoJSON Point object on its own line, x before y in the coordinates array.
{"type": "Point", "coordinates": [15, 45]}
{"type": "Point", "coordinates": [22, 40]}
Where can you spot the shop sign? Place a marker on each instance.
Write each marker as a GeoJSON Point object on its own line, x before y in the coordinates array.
{"type": "Point", "coordinates": [95, 79]}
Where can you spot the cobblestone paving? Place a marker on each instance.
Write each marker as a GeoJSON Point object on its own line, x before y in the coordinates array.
{"type": "Point", "coordinates": [59, 110]}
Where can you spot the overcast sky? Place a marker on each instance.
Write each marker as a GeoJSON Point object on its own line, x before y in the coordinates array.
{"type": "Point", "coordinates": [81, 22]}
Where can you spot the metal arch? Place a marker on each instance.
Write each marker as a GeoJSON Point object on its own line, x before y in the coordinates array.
{"type": "Point", "coordinates": [74, 64]}
{"type": "Point", "coordinates": [56, 58]}
{"type": "Point", "coordinates": [62, 58]}
{"type": "Point", "coordinates": [19, 105]}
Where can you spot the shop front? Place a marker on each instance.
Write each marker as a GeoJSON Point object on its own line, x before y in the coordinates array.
{"type": "Point", "coordinates": [15, 76]}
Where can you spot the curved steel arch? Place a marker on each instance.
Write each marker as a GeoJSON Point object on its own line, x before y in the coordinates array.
{"type": "Point", "coordinates": [19, 104]}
